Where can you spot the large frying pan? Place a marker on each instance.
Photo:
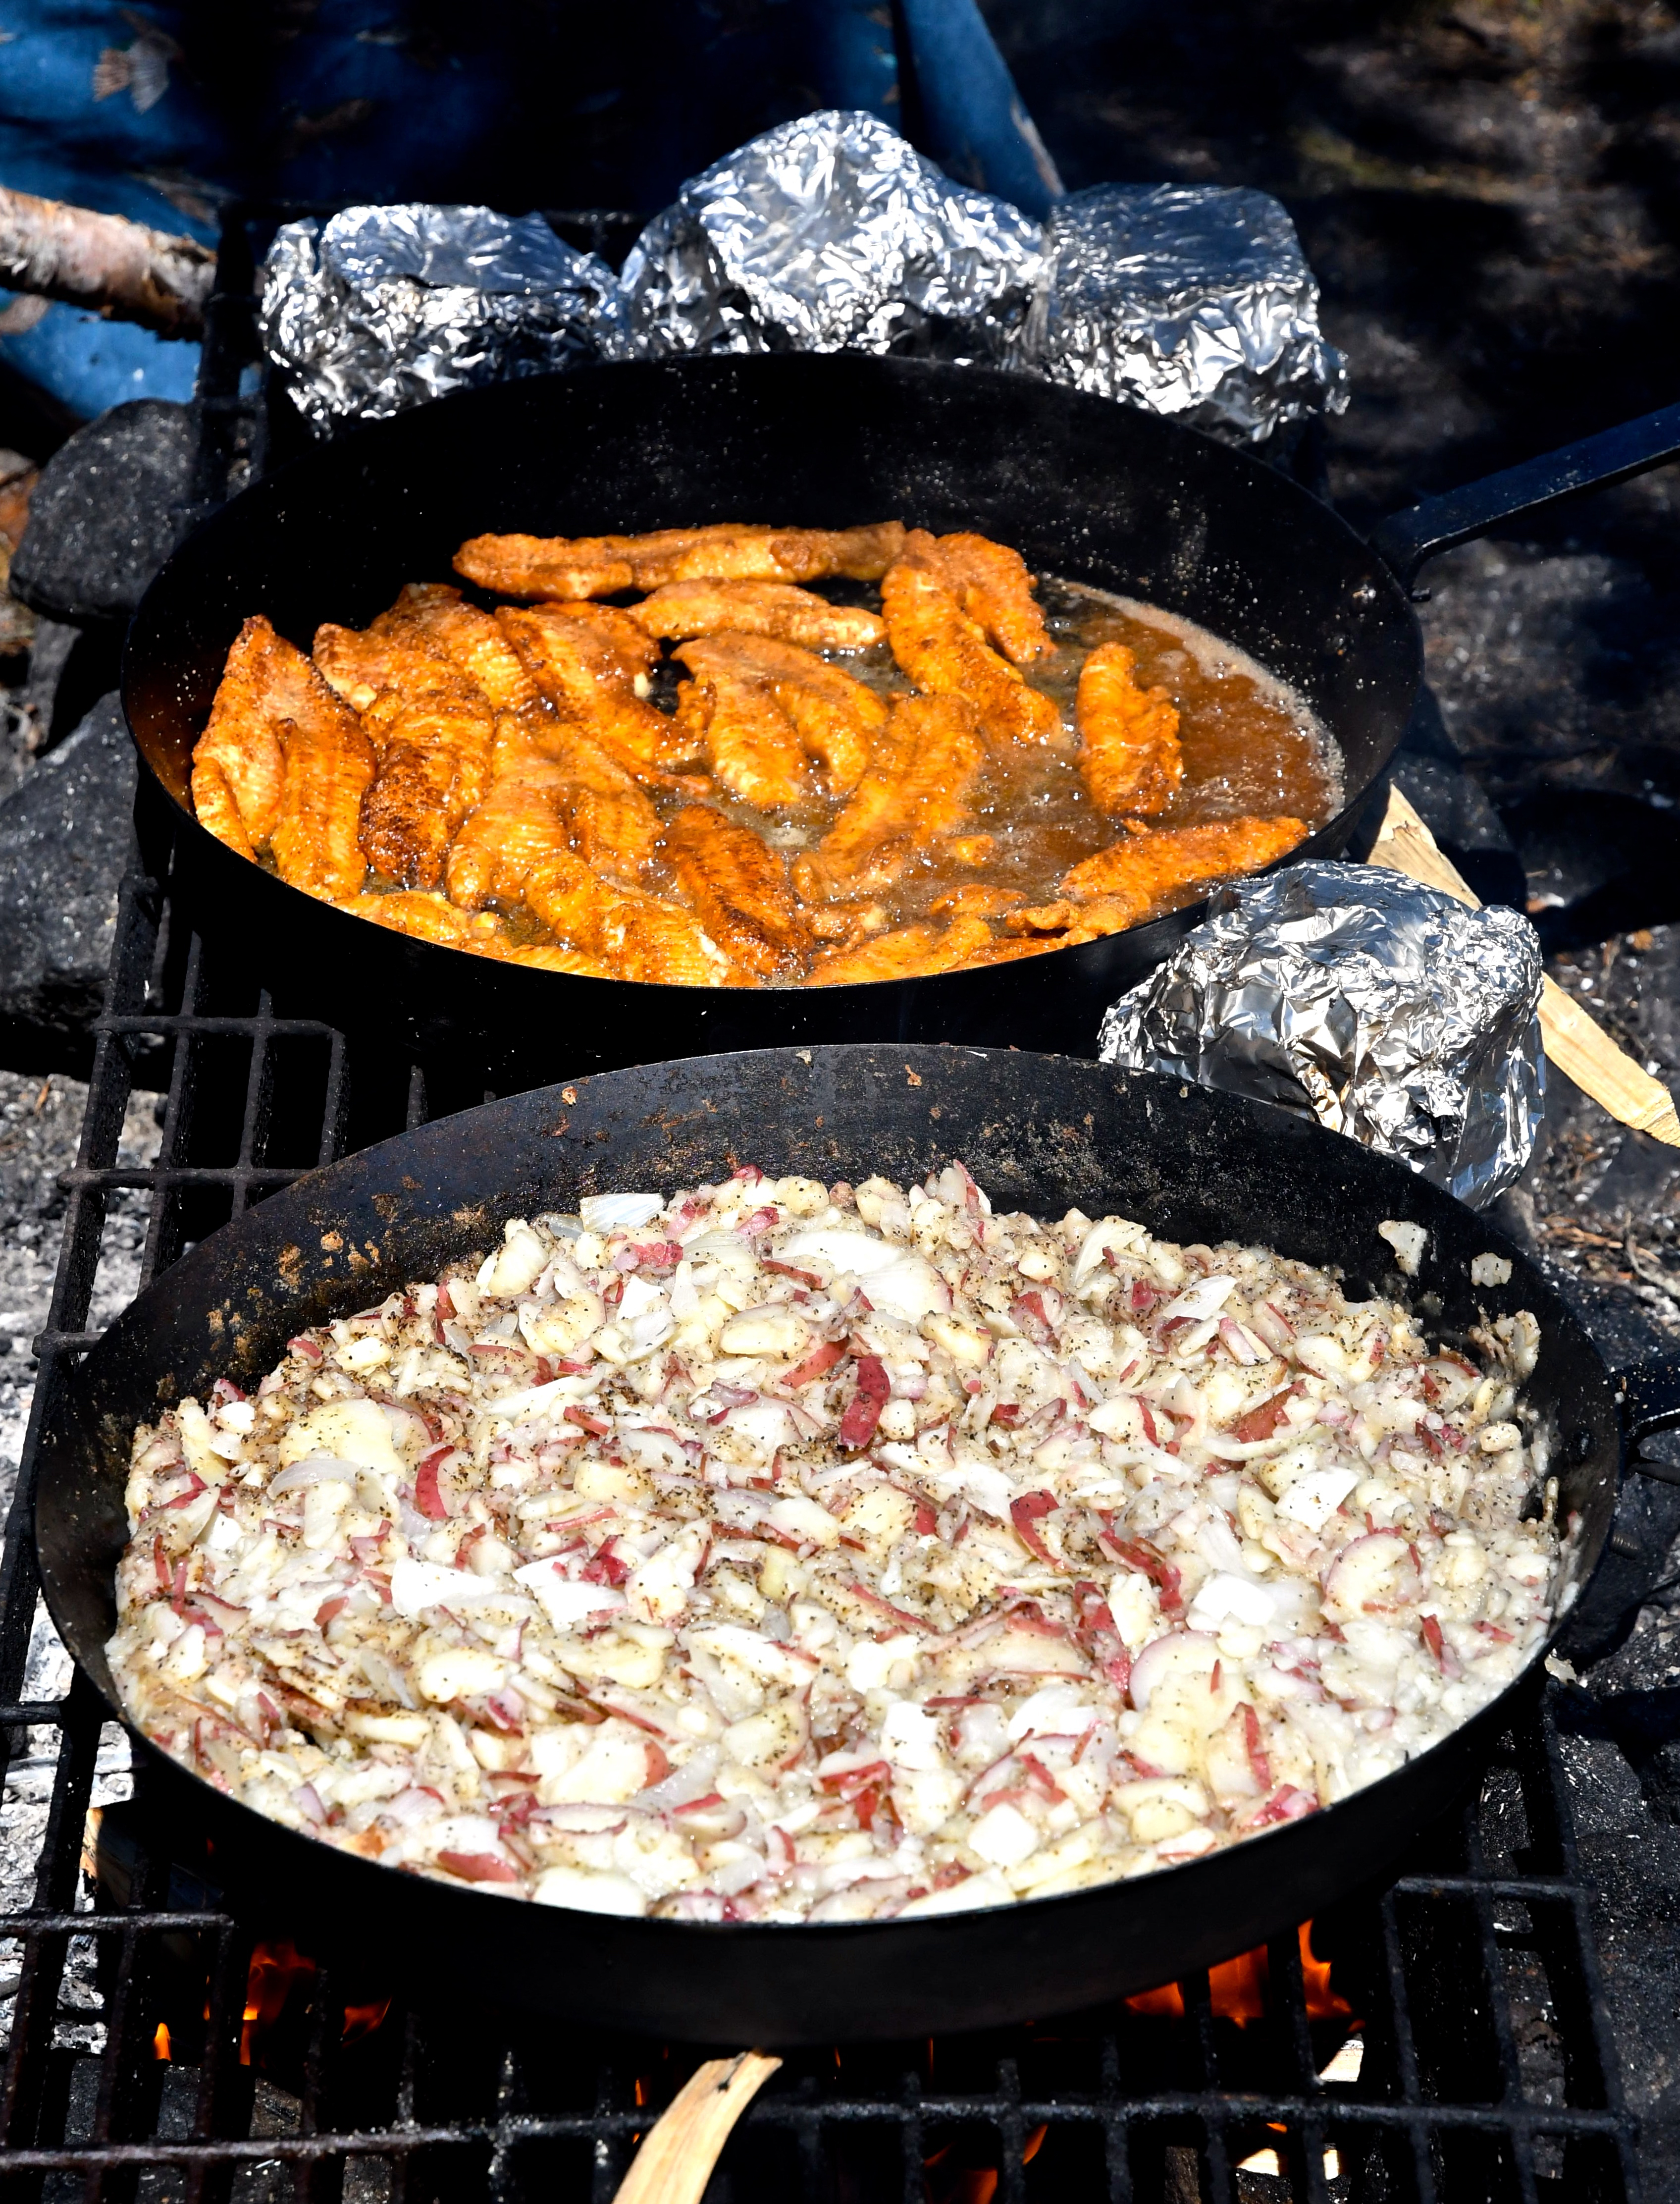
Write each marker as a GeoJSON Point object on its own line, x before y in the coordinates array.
{"type": "Point", "coordinates": [1096, 492]}
{"type": "Point", "coordinates": [1038, 1132]}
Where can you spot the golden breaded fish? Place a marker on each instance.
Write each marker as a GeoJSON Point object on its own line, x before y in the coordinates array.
{"type": "Point", "coordinates": [237, 761]}
{"type": "Point", "coordinates": [434, 744]}
{"type": "Point", "coordinates": [683, 609]}
{"type": "Point", "coordinates": [516, 848]}
{"type": "Point", "coordinates": [741, 889]}
{"type": "Point", "coordinates": [1148, 866]}
{"type": "Point", "coordinates": [991, 584]}
{"type": "Point", "coordinates": [294, 759]}
{"type": "Point", "coordinates": [430, 918]}
{"type": "Point", "coordinates": [1129, 751]}
{"type": "Point", "coordinates": [557, 567]}
{"type": "Point", "coordinates": [945, 653]}
{"type": "Point", "coordinates": [910, 953]}
{"type": "Point", "coordinates": [762, 708]}
{"type": "Point", "coordinates": [593, 661]}
{"type": "Point", "coordinates": [914, 794]}
{"type": "Point", "coordinates": [475, 643]}
{"type": "Point", "coordinates": [482, 933]}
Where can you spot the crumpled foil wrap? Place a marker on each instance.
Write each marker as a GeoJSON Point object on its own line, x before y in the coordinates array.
{"type": "Point", "coordinates": [387, 305]}
{"type": "Point", "coordinates": [1385, 1010]}
{"type": "Point", "coordinates": [827, 234]}
{"type": "Point", "coordinates": [831, 234]}
{"type": "Point", "coordinates": [1185, 299]}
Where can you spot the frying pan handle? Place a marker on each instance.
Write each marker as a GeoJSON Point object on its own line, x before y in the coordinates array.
{"type": "Point", "coordinates": [1651, 1403]}
{"type": "Point", "coordinates": [1406, 539]}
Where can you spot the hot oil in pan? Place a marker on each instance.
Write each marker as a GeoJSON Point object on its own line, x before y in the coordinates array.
{"type": "Point", "coordinates": [1251, 746]}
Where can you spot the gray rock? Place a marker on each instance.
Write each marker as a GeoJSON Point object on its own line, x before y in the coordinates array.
{"type": "Point", "coordinates": [64, 839]}
{"type": "Point", "coordinates": [111, 504]}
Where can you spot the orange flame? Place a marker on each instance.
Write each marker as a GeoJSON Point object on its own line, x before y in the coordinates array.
{"type": "Point", "coordinates": [1237, 1989]}
{"type": "Point", "coordinates": [360, 2020]}
{"type": "Point", "coordinates": [160, 2042]}
{"type": "Point", "coordinates": [275, 1969]}
{"type": "Point", "coordinates": [1322, 2001]}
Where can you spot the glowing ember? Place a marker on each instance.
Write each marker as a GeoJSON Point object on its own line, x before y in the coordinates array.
{"type": "Point", "coordinates": [1238, 1988]}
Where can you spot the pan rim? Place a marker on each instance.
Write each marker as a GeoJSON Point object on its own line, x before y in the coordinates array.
{"type": "Point", "coordinates": [1329, 835]}
{"type": "Point", "coordinates": [1484, 1719]}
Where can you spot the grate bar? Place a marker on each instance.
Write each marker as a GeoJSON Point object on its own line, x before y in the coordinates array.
{"type": "Point", "coordinates": [447, 2112]}
{"type": "Point", "coordinates": [560, 2127]}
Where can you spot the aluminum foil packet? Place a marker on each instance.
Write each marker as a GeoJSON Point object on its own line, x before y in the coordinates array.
{"type": "Point", "coordinates": [1185, 299]}
{"type": "Point", "coordinates": [384, 306]}
{"type": "Point", "coordinates": [1387, 1011]}
{"type": "Point", "coordinates": [832, 234]}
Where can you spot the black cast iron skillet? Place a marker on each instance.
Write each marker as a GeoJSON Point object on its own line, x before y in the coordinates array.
{"type": "Point", "coordinates": [1085, 489]}
{"type": "Point", "coordinates": [1039, 1133]}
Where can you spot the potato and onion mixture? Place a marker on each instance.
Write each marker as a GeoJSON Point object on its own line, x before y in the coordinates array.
{"type": "Point", "coordinates": [801, 1552]}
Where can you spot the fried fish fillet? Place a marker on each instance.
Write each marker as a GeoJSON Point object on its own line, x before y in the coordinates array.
{"type": "Point", "coordinates": [973, 900]}
{"type": "Point", "coordinates": [593, 661]}
{"type": "Point", "coordinates": [609, 820]}
{"type": "Point", "coordinates": [914, 794]}
{"type": "Point", "coordinates": [216, 807]}
{"type": "Point", "coordinates": [1129, 751]}
{"type": "Point", "coordinates": [635, 936]}
{"type": "Point", "coordinates": [517, 848]}
{"type": "Point", "coordinates": [760, 708]}
{"type": "Point", "coordinates": [557, 567]}
{"type": "Point", "coordinates": [359, 663]}
{"type": "Point", "coordinates": [475, 643]}
{"type": "Point", "coordinates": [433, 737]}
{"type": "Point", "coordinates": [293, 759]}
{"type": "Point", "coordinates": [601, 811]}
{"type": "Point", "coordinates": [1064, 924]}
{"type": "Point", "coordinates": [910, 953]}
{"type": "Point", "coordinates": [945, 653]}
{"type": "Point", "coordinates": [239, 768]}
{"type": "Point", "coordinates": [1129, 881]}
{"type": "Point", "coordinates": [991, 584]}
{"type": "Point", "coordinates": [1149, 865]}
{"type": "Point", "coordinates": [429, 917]}
{"type": "Point", "coordinates": [682, 609]}
{"type": "Point", "coordinates": [740, 888]}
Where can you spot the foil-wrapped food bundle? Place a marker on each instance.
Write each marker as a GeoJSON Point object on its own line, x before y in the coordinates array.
{"type": "Point", "coordinates": [830, 232]}
{"type": "Point", "coordinates": [382, 307]}
{"type": "Point", "coordinates": [1387, 1011]}
{"type": "Point", "coordinates": [1187, 300]}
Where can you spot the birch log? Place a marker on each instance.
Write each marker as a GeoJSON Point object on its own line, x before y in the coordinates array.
{"type": "Point", "coordinates": [102, 262]}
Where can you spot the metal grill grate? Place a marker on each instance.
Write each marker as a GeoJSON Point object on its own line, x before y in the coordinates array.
{"type": "Point", "coordinates": [158, 2052]}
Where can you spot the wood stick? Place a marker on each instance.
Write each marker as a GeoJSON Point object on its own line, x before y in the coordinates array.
{"type": "Point", "coordinates": [117, 268]}
{"type": "Point", "coordinates": [675, 2160]}
{"type": "Point", "coordinates": [1575, 1041]}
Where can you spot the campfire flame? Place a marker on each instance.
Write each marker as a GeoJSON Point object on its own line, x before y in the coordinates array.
{"type": "Point", "coordinates": [276, 1970]}
{"type": "Point", "coordinates": [160, 2042]}
{"type": "Point", "coordinates": [970, 2184]}
{"type": "Point", "coordinates": [1237, 1988]}
{"type": "Point", "coordinates": [360, 2020]}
